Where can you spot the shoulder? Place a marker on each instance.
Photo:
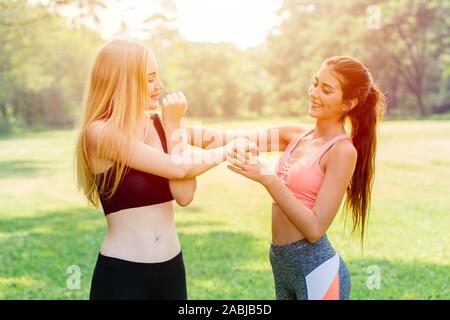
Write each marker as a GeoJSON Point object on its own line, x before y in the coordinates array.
{"type": "Point", "coordinates": [149, 116]}
{"type": "Point", "coordinates": [289, 132]}
{"type": "Point", "coordinates": [96, 127]}
{"type": "Point", "coordinates": [343, 151]}
{"type": "Point", "coordinates": [94, 130]}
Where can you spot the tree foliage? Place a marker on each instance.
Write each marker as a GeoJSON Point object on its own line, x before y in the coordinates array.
{"type": "Point", "coordinates": [45, 57]}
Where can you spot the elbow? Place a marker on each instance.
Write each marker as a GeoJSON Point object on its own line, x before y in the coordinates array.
{"type": "Point", "coordinates": [184, 201]}
{"type": "Point", "coordinates": [313, 238]}
{"type": "Point", "coordinates": [314, 234]}
{"type": "Point", "coordinates": [184, 198]}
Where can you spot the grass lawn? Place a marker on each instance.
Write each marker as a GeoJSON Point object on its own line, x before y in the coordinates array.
{"type": "Point", "coordinates": [46, 226]}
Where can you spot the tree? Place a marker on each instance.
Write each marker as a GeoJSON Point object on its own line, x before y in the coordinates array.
{"type": "Point", "coordinates": [42, 78]}
{"type": "Point", "coordinates": [406, 53]}
{"type": "Point", "coordinates": [415, 37]}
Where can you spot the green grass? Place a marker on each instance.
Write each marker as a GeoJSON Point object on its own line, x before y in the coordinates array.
{"type": "Point", "coordinates": [46, 225]}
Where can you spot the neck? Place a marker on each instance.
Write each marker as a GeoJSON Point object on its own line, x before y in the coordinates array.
{"type": "Point", "coordinates": [328, 128]}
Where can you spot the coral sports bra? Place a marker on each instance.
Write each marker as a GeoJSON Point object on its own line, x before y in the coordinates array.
{"type": "Point", "coordinates": [303, 176]}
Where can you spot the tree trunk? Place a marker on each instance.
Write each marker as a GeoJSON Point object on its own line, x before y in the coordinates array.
{"type": "Point", "coordinates": [5, 125]}
{"type": "Point", "coordinates": [392, 96]}
{"type": "Point", "coordinates": [422, 109]}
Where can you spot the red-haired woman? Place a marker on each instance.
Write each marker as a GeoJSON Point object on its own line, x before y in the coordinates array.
{"type": "Point", "coordinates": [318, 167]}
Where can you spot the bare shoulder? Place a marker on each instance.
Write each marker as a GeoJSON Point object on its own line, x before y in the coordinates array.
{"type": "Point", "coordinates": [93, 132]}
{"type": "Point", "coordinates": [150, 118]}
{"type": "Point", "coordinates": [150, 115]}
{"type": "Point", "coordinates": [343, 151]}
{"type": "Point", "coordinates": [97, 125]}
{"type": "Point", "coordinates": [288, 132]}
{"type": "Point", "coordinates": [158, 113]}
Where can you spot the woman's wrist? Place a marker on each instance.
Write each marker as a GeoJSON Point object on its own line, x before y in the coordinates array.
{"type": "Point", "coordinates": [224, 151]}
{"type": "Point", "coordinates": [171, 123]}
{"type": "Point", "coordinates": [269, 181]}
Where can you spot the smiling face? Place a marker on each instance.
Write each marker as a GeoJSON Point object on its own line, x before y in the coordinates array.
{"type": "Point", "coordinates": [154, 83]}
{"type": "Point", "coordinates": [325, 96]}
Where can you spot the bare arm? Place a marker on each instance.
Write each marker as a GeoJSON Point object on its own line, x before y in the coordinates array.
{"type": "Point", "coordinates": [180, 164]}
{"type": "Point", "coordinates": [314, 222]}
{"type": "Point", "coordinates": [145, 158]}
{"type": "Point", "coordinates": [182, 190]}
{"type": "Point", "coordinates": [267, 140]}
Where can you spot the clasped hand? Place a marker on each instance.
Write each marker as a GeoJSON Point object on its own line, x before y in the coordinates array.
{"type": "Point", "coordinates": [243, 157]}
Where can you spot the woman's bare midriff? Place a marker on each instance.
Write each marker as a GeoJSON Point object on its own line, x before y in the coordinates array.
{"type": "Point", "coordinates": [144, 234]}
{"type": "Point", "coordinates": [283, 231]}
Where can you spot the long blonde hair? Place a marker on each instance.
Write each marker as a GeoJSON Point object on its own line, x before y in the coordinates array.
{"type": "Point", "coordinates": [116, 93]}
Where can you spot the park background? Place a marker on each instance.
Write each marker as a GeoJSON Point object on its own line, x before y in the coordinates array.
{"type": "Point", "coordinates": [50, 237]}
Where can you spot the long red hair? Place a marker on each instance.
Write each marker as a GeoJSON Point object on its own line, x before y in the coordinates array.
{"type": "Point", "coordinates": [356, 82]}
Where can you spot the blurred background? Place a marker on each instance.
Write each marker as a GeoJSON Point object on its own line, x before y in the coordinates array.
{"type": "Point", "coordinates": [242, 64]}
{"type": "Point", "coordinates": [231, 58]}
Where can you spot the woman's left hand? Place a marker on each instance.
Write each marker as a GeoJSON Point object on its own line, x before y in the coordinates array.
{"type": "Point", "coordinates": [249, 166]}
{"type": "Point", "coordinates": [174, 106]}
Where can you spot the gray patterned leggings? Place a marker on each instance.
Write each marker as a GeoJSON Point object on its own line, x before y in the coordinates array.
{"type": "Point", "coordinates": [309, 271]}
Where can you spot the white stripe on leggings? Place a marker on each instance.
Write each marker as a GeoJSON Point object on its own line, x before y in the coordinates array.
{"type": "Point", "coordinates": [319, 280]}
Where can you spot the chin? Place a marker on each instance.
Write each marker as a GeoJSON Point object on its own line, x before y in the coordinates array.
{"type": "Point", "coordinates": [312, 113]}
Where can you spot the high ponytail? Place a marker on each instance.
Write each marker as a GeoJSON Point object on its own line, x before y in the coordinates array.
{"type": "Point", "coordinates": [356, 82]}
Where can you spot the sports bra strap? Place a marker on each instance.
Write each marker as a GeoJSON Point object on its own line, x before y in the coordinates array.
{"type": "Point", "coordinates": [328, 145]}
{"type": "Point", "coordinates": [295, 142]}
{"type": "Point", "coordinates": [159, 128]}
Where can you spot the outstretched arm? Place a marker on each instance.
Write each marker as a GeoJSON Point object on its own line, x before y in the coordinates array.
{"type": "Point", "coordinates": [134, 153]}
{"type": "Point", "coordinates": [146, 158]}
{"type": "Point", "coordinates": [267, 140]}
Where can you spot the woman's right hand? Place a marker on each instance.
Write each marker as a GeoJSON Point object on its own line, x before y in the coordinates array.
{"type": "Point", "coordinates": [174, 106]}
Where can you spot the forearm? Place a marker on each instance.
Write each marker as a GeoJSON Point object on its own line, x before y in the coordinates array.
{"type": "Point", "coordinates": [302, 217]}
{"type": "Point", "coordinates": [267, 140]}
{"type": "Point", "coordinates": [197, 162]}
{"type": "Point", "coordinates": [206, 138]}
{"type": "Point", "coordinates": [194, 162]}
{"type": "Point", "coordinates": [182, 190]}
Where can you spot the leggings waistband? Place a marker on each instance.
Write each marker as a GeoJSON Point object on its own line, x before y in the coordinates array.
{"type": "Point", "coordinates": [102, 259]}
{"type": "Point", "coordinates": [302, 245]}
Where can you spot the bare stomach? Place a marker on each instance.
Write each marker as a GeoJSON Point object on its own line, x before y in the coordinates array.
{"type": "Point", "coordinates": [144, 234]}
{"type": "Point", "coordinates": [283, 231]}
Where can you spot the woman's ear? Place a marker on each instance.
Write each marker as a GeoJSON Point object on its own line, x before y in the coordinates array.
{"type": "Point", "coordinates": [350, 104]}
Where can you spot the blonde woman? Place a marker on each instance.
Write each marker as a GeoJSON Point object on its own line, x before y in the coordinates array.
{"type": "Point", "coordinates": [128, 161]}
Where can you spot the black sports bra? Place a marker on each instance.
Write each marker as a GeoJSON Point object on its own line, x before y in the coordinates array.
{"type": "Point", "coordinates": [136, 188]}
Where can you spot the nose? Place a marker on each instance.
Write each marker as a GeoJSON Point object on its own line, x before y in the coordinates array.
{"type": "Point", "coordinates": [313, 92]}
{"type": "Point", "coordinates": [160, 84]}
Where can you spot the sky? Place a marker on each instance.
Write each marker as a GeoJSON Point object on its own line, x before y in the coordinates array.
{"type": "Point", "coordinates": [242, 22]}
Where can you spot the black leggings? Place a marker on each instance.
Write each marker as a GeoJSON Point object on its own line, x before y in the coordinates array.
{"type": "Point", "coordinates": [117, 279]}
